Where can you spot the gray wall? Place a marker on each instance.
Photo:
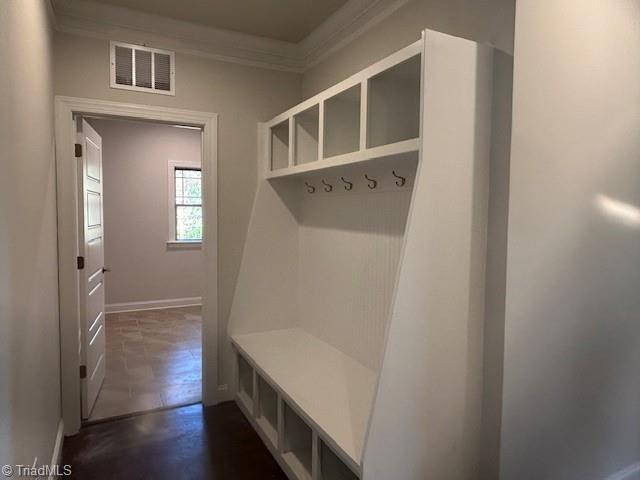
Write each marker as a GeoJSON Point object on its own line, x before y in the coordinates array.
{"type": "Point", "coordinates": [241, 95]}
{"type": "Point", "coordinates": [29, 338]}
{"type": "Point", "coordinates": [134, 163]}
{"type": "Point", "coordinates": [496, 266]}
{"type": "Point", "coordinates": [572, 336]}
{"type": "Point", "coordinates": [489, 21]}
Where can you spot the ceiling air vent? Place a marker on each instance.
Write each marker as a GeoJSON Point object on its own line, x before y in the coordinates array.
{"type": "Point", "coordinates": [143, 69]}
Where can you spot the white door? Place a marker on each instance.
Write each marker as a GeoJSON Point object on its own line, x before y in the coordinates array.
{"type": "Point", "coordinates": [91, 264]}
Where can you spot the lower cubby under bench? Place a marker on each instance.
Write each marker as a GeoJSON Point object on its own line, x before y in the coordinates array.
{"type": "Point", "coordinates": [309, 402]}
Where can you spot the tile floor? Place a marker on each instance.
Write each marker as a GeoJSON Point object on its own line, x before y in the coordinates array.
{"type": "Point", "coordinates": [153, 361]}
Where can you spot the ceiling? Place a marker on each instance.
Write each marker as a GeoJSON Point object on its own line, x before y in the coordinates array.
{"type": "Point", "coordinates": [287, 20]}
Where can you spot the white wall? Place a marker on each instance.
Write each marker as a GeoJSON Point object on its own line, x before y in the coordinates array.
{"type": "Point", "coordinates": [136, 216]}
{"type": "Point", "coordinates": [572, 334]}
{"type": "Point", "coordinates": [241, 95]}
{"type": "Point", "coordinates": [485, 21]}
{"type": "Point", "coordinates": [29, 340]}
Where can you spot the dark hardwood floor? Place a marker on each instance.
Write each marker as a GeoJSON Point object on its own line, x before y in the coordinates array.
{"type": "Point", "coordinates": [190, 442]}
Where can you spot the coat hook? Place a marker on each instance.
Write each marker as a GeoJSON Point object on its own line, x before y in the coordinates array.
{"type": "Point", "coordinates": [348, 185]}
{"type": "Point", "coordinates": [372, 183]}
{"type": "Point", "coordinates": [310, 188]}
{"type": "Point", "coordinates": [327, 186]}
{"type": "Point", "coordinates": [401, 180]}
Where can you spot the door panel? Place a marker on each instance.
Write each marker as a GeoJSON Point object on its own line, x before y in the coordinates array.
{"type": "Point", "coordinates": [94, 356]}
{"type": "Point", "coordinates": [91, 244]}
{"type": "Point", "coordinates": [94, 160]}
{"type": "Point", "coordinates": [95, 307]}
{"type": "Point", "coordinates": [94, 209]}
{"type": "Point", "coordinates": [94, 256]}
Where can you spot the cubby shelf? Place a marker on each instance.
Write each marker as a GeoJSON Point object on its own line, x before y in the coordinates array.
{"type": "Point", "coordinates": [330, 390]}
{"type": "Point", "coordinates": [245, 383]}
{"type": "Point", "coordinates": [267, 410]}
{"type": "Point", "coordinates": [373, 114]}
{"type": "Point", "coordinates": [399, 148]}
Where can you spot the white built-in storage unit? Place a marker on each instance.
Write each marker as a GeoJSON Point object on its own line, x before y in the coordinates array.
{"type": "Point", "coordinates": [357, 313]}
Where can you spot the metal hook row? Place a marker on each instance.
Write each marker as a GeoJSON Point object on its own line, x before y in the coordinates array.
{"type": "Point", "coordinates": [372, 183]}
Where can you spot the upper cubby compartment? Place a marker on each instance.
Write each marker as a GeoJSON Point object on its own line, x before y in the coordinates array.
{"type": "Point", "coordinates": [342, 122]}
{"type": "Point", "coordinates": [306, 128]}
{"type": "Point", "coordinates": [393, 110]}
{"type": "Point", "coordinates": [280, 146]}
{"type": "Point", "coordinates": [374, 114]}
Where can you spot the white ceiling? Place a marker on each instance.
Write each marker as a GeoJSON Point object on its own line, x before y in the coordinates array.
{"type": "Point", "coordinates": [288, 20]}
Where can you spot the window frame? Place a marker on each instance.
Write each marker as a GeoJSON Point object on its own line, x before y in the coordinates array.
{"type": "Point", "coordinates": [172, 166]}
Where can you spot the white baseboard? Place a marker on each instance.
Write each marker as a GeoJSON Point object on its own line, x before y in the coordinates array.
{"type": "Point", "coordinates": [224, 394]}
{"type": "Point", "coordinates": [56, 456]}
{"type": "Point", "coordinates": [152, 304]}
{"type": "Point", "coordinates": [632, 472]}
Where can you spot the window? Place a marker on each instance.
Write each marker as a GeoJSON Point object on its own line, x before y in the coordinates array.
{"type": "Point", "coordinates": [185, 202]}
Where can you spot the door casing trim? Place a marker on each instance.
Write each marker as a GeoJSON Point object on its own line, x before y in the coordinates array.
{"type": "Point", "coordinates": [67, 205]}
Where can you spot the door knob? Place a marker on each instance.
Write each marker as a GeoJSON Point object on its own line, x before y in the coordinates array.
{"type": "Point", "coordinates": [105, 270]}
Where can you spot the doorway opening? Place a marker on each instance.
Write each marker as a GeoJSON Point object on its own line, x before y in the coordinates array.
{"type": "Point", "coordinates": [155, 324]}
{"type": "Point", "coordinates": [144, 276]}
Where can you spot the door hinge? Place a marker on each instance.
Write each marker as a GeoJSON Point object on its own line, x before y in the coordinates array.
{"type": "Point", "coordinates": [83, 371]}
{"type": "Point", "coordinates": [80, 263]}
{"type": "Point", "coordinates": [78, 150]}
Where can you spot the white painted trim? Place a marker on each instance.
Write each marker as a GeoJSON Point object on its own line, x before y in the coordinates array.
{"type": "Point", "coordinates": [56, 456]}
{"type": "Point", "coordinates": [184, 244]}
{"type": "Point", "coordinates": [153, 304]}
{"type": "Point", "coordinates": [352, 20]}
{"type": "Point", "coordinates": [172, 165]}
{"type": "Point", "coordinates": [110, 22]}
{"type": "Point", "coordinates": [225, 394]}
{"type": "Point", "coordinates": [632, 472]}
{"type": "Point", "coordinates": [67, 203]}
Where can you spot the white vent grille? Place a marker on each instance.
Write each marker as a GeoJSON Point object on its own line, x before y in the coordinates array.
{"type": "Point", "coordinates": [144, 69]}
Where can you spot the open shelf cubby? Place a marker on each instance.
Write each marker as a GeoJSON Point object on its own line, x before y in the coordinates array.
{"type": "Point", "coordinates": [245, 383]}
{"type": "Point", "coordinates": [393, 110]}
{"type": "Point", "coordinates": [342, 122]}
{"type": "Point", "coordinates": [306, 128]}
{"type": "Point", "coordinates": [331, 467]}
{"type": "Point", "coordinates": [267, 410]}
{"type": "Point", "coordinates": [280, 146]}
{"type": "Point", "coordinates": [297, 448]}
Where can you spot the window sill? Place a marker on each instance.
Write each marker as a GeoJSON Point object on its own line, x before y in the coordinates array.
{"type": "Point", "coordinates": [184, 244]}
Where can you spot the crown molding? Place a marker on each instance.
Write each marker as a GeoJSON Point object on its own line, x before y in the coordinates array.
{"type": "Point", "coordinates": [345, 25]}
{"type": "Point", "coordinates": [116, 23]}
{"type": "Point", "coordinates": [108, 22]}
